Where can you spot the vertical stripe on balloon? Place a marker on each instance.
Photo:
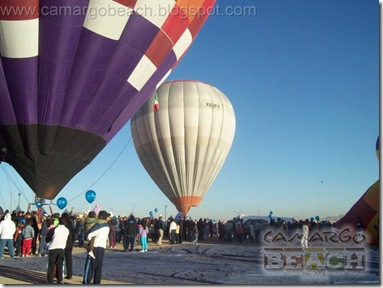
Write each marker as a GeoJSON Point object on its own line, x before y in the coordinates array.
{"type": "Point", "coordinates": [175, 24]}
{"type": "Point", "coordinates": [183, 44]}
{"type": "Point", "coordinates": [154, 11]}
{"type": "Point", "coordinates": [107, 18]}
{"type": "Point", "coordinates": [141, 74]}
{"type": "Point", "coordinates": [19, 39]}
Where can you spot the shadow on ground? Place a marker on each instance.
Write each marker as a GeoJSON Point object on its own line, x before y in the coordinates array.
{"type": "Point", "coordinates": [23, 275]}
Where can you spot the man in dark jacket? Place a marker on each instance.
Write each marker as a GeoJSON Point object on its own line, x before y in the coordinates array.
{"type": "Point", "coordinates": [161, 228]}
{"type": "Point", "coordinates": [130, 233]}
{"type": "Point", "coordinates": [69, 246]}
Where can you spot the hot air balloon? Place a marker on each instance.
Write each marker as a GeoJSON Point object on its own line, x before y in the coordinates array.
{"type": "Point", "coordinates": [73, 72]}
{"type": "Point", "coordinates": [377, 148]}
{"type": "Point", "coordinates": [184, 144]}
{"type": "Point", "coordinates": [367, 210]}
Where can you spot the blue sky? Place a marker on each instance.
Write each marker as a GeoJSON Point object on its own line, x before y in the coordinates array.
{"type": "Point", "coordinates": [303, 78]}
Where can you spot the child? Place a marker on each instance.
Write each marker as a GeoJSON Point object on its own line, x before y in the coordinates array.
{"type": "Point", "coordinates": [143, 231]}
{"type": "Point", "coordinates": [28, 235]}
{"type": "Point", "coordinates": [90, 221]}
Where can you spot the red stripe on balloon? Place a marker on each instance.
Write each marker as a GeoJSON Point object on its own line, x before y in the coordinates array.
{"type": "Point", "coordinates": [19, 10]}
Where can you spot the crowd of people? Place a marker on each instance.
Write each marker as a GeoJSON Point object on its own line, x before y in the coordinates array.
{"type": "Point", "coordinates": [54, 236]}
{"type": "Point", "coordinates": [25, 235]}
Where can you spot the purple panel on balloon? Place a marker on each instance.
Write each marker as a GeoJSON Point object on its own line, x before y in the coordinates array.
{"type": "Point", "coordinates": [7, 115]}
{"type": "Point", "coordinates": [71, 12]}
{"type": "Point", "coordinates": [87, 74]}
{"type": "Point", "coordinates": [58, 44]}
{"type": "Point", "coordinates": [22, 85]}
{"type": "Point", "coordinates": [138, 33]}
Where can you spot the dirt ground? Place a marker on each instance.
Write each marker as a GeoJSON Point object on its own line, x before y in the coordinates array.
{"type": "Point", "coordinates": [209, 262]}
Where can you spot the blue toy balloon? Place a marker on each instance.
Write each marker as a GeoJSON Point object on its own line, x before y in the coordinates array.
{"type": "Point", "coordinates": [151, 213]}
{"type": "Point", "coordinates": [312, 219]}
{"type": "Point", "coordinates": [39, 205]}
{"type": "Point", "coordinates": [61, 202]}
{"type": "Point", "coordinates": [271, 212]}
{"type": "Point", "coordinates": [90, 196]}
{"type": "Point", "coordinates": [156, 210]}
{"type": "Point", "coordinates": [317, 218]}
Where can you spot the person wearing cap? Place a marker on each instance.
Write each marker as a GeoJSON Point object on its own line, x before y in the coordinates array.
{"type": "Point", "coordinates": [93, 266]}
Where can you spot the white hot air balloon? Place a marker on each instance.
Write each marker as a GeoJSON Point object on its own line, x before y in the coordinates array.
{"type": "Point", "coordinates": [184, 144]}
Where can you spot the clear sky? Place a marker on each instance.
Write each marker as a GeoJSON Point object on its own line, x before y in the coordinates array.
{"type": "Point", "coordinates": [303, 78]}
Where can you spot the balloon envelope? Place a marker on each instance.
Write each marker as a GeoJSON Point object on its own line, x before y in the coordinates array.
{"type": "Point", "coordinates": [61, 202]}
{"type": "Point", "coordinates": [90, 196]}
{"type": "Point", "coordinates": [184, 144]}
{"type": "Point", "coordinates": [70, 81]}
{"type": "Point", "coordinates": [367, 208]}
{"type": "Point", "coordinates": [377, 148]}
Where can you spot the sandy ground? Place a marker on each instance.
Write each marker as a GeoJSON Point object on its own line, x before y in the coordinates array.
{"type": "Point", "coordinates": [210, 262]}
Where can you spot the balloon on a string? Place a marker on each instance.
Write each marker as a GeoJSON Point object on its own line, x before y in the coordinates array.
{"type": "Point", "coordinates": [90, 196]}
{"type": "Point", "coordinates": [151, 213]}
{"type": "Point", "coordinates": [311, 219]}
{"type": "Point", "coordinates": [156, 210]}
{"type": "Point", "coordinates": [271, 212]}
{"type": "Point", "coordinates": [61, 202]}
{"type": "Point", "coordinates": [317, 218]}
{"type": "Point", "coordinates": [39, 205]}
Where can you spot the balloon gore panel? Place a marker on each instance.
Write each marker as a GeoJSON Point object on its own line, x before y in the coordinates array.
{"type": "Point", "coordinates": [47, 168]}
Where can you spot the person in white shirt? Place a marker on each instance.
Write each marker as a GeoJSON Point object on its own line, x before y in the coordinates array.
{"type": "Point", "coordinates": [172, 230]}
{"type": "Point", "coordinates": [100, 232]}
{"type": "Point", "coordinates": [56, 239]}
{"type": "Point", "coordinates": [305, 234]}
{"type": "Point", "coordinates": [7, 230]}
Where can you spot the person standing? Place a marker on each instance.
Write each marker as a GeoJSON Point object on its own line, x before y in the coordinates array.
{"type": "Point", "coordinates": [93, 266]}
{"type": "Point", "coordinates": [172, 230]}
{"type": "Point", "coordinates": [178, 232]}
{"type": "Point", "coordinates": [35, 226]}
{"type": "Point", "coordinates": [144, 236]}
{"type": "Point", "coordinates": [79, 231]}
{"type": "Point", "coordinates": [69, 245]}
{"type": "Point", "coordinates": [7, 230]}
{"type": "Point", "coordinates": [57, 240]}
{"type": "Point", "coordinates": [112, 233]}
{"type": "Point", "coordinates": [28, 235]}
{"type": "Point", "coordinates": [18, 237]}
{"type": "Point", "coordinates": [305, 234]}
{"type": "Point", "coordinates": [257, 231]}
{"type": "Point", "coordinates": [119, 229]}
{"type": "Point", "coordinates": [195, 234]}
{"type": "Point", "coordinates": [161, 228]}
{"type": "Point", "coordinates": [43, 235]}
{"type": "Point", "coordinates": [130, 233]}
